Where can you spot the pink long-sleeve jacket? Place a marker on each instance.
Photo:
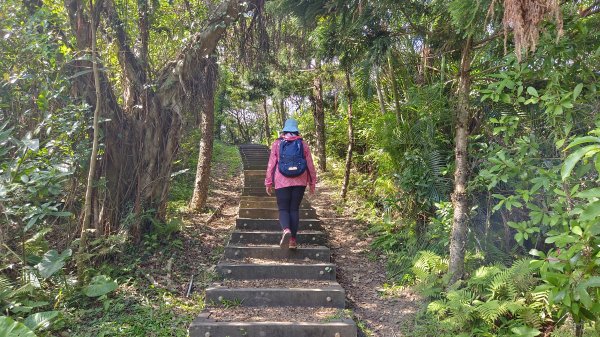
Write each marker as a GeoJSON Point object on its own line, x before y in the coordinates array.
{"type": "Point", "coordinates": [308, 178]}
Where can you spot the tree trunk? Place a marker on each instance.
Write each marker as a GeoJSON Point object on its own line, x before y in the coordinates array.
{"type": "Point", "coordinates": [283, 115]}
{"type": "Point", "coordinates": [267, 126]}
{"type": "Point", "coordinates": [87, 213]}
{"type": "Point", "coordinates": [141, 138]}
{"type": "Point", "coordinates": [379, 93]}
{"type": "Point", "coordinates": [209, 77]}
{"type": "Point", "coordinates": [319, 117]}
{"type": "Point", "coordinates": [350, 138]}
{"type": "Point", "coordinates": [458, 238]}
{"type": "Point", "coordinates": [395, 92]}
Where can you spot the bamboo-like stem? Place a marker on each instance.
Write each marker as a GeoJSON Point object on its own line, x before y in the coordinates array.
{"type": "Point", "coordinates": [81, 260]}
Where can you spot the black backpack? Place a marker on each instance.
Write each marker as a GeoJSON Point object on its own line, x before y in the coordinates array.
{"type": "Point", "coordinates": [291, 157]}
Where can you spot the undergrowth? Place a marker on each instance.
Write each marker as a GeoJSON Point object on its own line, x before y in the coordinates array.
{"type": "Point", "coordinates": [499, 295]}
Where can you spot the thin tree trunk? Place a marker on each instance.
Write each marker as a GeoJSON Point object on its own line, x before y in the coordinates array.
{"type": "Point", "coordinates": [282, 111]}
{"type": "Point", "coordinates": [207, 140]}
{"type": "Point", "coordinates": [267, 126]}
{"type": "Point", "coordinates": [319, 117]}
{"type": "Point", "coordinates": [350, 138]}
{"type": "Point", "coordinates": [395, 92]}
{"type": "Point", "coordinates": [87, 213]}
{"type": "Point", "coordinates": [458, 238]}
{"type": "Point", "coordinates": [379, 93]}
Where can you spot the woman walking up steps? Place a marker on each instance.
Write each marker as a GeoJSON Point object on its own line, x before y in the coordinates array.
{"type": "Point", "coordinates": [289, 172]}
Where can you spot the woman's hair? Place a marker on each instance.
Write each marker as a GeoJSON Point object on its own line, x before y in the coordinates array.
{"type": "Point", "coordinates": [293, 133]}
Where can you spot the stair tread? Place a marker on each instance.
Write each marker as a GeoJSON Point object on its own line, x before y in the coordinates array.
{"type": "Point", "coordinates": [259, 261]}
{"type": "Point", "coordinates": [277, 284]}
{"type": "Point", "coordinates": [276, 314]}
{"type": "Point", "coordinates": [267, 262]}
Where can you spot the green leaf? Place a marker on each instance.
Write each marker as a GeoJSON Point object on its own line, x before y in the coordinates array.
{"type": "Point", "coordinates": [537, 253]}
{"type": "Point", "coordinates": [10, 328]}
{"type": "Point", "coordinates": [525, 331]}
{"type": "Point", "coordinates": [577, 230]}
{"type": "Point", "coordinates": [582, 140]}
{"type": "Point", "coordinates": [593, 281]}
{"type": "Point", "coordinates": [52, 262]}
{"type": "Point", "coordinates": [590, 211]}
{"type": "Point", "coordinates": [558, 110]}
{"type": "Point", "coordinates": [588, 194]}
{"type": "Point", "coordinates": [31, 144]}
{"type": "Point", "coordinates": [40, 320]}
{"type": "Point", "coordinates": [573, 159]}
{"type": "Point", "coordinates": [532, 91]}
{"type": "Point", "coordinates": [584, 297]}
{"type": "Point", "coordinates": [577, 90]}
{"type": "Point", "coordinates": [100, 285]}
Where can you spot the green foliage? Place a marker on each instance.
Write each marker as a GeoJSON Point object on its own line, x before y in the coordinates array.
{"type": "Point", "coordinates": [10, 328]}
{"type": "Point", "coordinates": [495, 300]}
{"type": "Point", "coordinates": [40, 320]}
{"type": "Point", "coordinates": [52, 262]}
{"type": "Point", "coordinates": [100, 286]}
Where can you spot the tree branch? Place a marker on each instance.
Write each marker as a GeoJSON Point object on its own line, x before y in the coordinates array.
{"type": "Point", "coordinates": [178, 74]}
{"type": "Point", "coordinates": [591, 10]}
{"type": "Point", "coordinates": [130, 63]}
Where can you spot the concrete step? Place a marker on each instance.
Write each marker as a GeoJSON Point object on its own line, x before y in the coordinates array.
{"type": "Point", "coordinates": [238, 252]}
{"type": "Point", "coordinates": [253, 271]}
{"type": "Point", "coordinates": [255, 154]}
{"type": "Point", "coordinates": [273, 322]}
{"type": "Point", "coordinates": [331, 296]}
{"type": "Point", "coordinates": [272, 213]}
{"type": "Point", "coordinates": [254, 173]}
{"type": "Point", "coordinates": [205, 328]}
{"type": "Point", "coordinates": [257, 149]}
{"type": "Point", "coordinates": [256, 160]}
{"type": "Point", "coordinates": [273, 225]}
{"type": "Point", "coordinates": [271, 203]}
{"type": "Point", "coordinates": [273, 237]}
{"type": "Point", "coordinates": [255, 191]}
{"type": "Point", "coordinates": [255, 167]}
{"type": "Point", "coordinates": [251, 145]}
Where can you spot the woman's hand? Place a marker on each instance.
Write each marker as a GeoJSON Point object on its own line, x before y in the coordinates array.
{"type": "Point", "coordinates": [269, 190]}
{"type": "Point", "coordinates": [311, 189]}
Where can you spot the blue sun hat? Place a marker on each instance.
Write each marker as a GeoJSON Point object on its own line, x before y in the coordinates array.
{"type": "Point", "coordinates": [291, 125]}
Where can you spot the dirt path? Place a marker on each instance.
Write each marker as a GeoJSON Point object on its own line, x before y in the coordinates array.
{"type": "Point", "coordinates": [362, 276]}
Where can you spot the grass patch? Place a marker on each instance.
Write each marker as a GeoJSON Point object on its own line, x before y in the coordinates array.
{"type": "Point", "coordinates": [153, 312]}
{"type": "Point", "coordinates": [225, 164]}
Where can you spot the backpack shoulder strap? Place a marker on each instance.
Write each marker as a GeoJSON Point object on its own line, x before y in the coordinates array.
{"type": "Point", "coordinates": [281, 144]}
{"type": "Point", "coordinates": [302, 147]}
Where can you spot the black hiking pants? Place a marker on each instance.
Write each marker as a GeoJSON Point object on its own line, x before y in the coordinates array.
{"type": "Point", "coordinates": [288, 202]}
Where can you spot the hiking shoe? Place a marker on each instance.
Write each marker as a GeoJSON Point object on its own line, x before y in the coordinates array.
{"type": "Point", "coordinates": [285, 238]}
{"type": "Point", "coordinates": [293, 244]}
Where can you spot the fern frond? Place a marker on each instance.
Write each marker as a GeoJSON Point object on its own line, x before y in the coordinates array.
{"type": "Point", "coordinates": [531, 318]}
{"type": "Point", "coordinates": [523, 276]}
{"type": "Point", "coordinates": [6, 287]}
{"type": "Point", "coordinates": [491, 310]}
{"type": "Point", "coordinates": [461, 296]}
{"type": "Point", "coordinates": [502, 286]}
{"type": "Point", "coordinates": [438, 308]}
{"type": "Point", "coordinates": [482, 277]}
{"type": "Point", "coordinates": [429, 263]}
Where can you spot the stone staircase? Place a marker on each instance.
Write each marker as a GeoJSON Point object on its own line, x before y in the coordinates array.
{"type": "Point", "coordinates": [270, 291]}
